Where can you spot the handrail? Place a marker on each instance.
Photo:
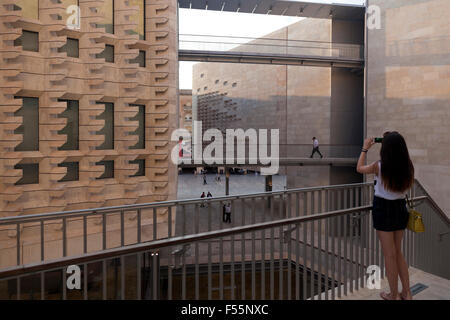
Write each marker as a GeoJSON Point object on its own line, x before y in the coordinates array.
{"type": "Point", "coordinates": [434, 204]}
{"type": "Point", "coordinates": [263, 38]}
{"type": "Point", "coordinates": [175, 241]}
{"type": "Point", "coordinates": [94, 211]}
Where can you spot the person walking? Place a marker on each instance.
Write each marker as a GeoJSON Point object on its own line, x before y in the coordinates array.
{"type": "Point", "coordinates": [204, 179]}
{"type": "Point", "coordinates": [315, 148]}
{"type": "Point", "coordinates": [394, 175]}
{"type": "Point", "coordinates": [227, 213]}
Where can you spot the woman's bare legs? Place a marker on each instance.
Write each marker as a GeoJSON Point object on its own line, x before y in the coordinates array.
{"type": "Point", "coordinates": [390, 261]}
{"type": "Point", "coordinates": [402, 266]}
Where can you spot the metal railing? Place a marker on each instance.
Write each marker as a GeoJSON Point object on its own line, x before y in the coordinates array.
{"type": "Point", "coordinates": [317, 256]}
{"type": "Point", "coordinates": [270, 47]}
{"type": "Point", "coordinates": [40, 237]}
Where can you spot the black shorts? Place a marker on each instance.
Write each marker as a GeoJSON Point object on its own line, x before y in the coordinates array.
{"type": "Point", "coordinates": [389, 215]}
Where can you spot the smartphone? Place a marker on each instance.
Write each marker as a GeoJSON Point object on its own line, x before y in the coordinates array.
{"type": "Point", "coordinates": [378, 140]}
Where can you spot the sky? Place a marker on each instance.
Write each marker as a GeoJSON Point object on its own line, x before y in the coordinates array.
{"type": "Point", "coordinates": [203, 22]}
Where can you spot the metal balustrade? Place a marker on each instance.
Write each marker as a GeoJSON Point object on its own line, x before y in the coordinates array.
{"type": "Point", "coordinates": [62, 234]}
{"type": "Point", "coordinates": [300, 256]}
{"type": "Point", "coordinates": [201, 47]}
{"type": "Point", "coordinates": [308, 243]}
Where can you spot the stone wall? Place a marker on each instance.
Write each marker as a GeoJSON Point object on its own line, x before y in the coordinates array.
{"type": "Point", "coordinates": [409, 86]}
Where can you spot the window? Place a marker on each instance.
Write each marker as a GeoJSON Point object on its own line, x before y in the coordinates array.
{"type": "Point", "coordinates": [217, 81]}
{"type": "Point", "coordinates": [202, 75]}
{"type": "Point", "coordinates": [30, 124]}
{"type": "Point", "coordinates": [141, 170]}
{"type": "Point", "coordinates": [107, 10]}
{"type": "Point", "coordinates": [108, 129]}
{"type": "Point", "coordinates": [72, 171]}
{"type": "Point", "coordinates": [234, 84]}
{"type": "Point", "coordinates": [29, 8]}
{"type": "Point", "coordinates": [139, 17]}
{"type": "Point", "coordinates": [140, 131]}
{"type": "Point", "coordinates": [109, 169]}
{"type": "Point", "coordinates": [107, 54]}
{"type": "Point", "coordinates": [72, 127]}
{"type": "Point", "coordinates": [225, 83]}
{"type": "Point", "coordinates": [71, 48]}
{"type": "Point", "coordinates": [30, 173]}
{"type": "Point", "coordinates": [29, 40]}
{"type": "Point", "coordinates": [140, 59]}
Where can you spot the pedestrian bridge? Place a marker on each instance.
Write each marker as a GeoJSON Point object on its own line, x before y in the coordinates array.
{"type": "Point", "coordinates": [207, 48]}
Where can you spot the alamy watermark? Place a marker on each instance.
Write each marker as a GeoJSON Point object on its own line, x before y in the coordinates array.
{"type": "Point", "coordinates": [213, 154]}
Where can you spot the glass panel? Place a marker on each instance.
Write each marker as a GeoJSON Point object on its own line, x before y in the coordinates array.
{"type": "Point", "coordinates": [141, 171]}
{"type": "Point", "coordinates": [140, 59]}
{"type": "Point", "coordinates": [30, 8]}
{"type": "Point", "coordinates": [30, 124]}
{"type": "Point", "coordinates": [72, 171]}
{"type": "Point", "coordinates": [109, 169]}
{"type": "Point", "coordinates": [139, 17]}
{"type": "Point", "coordinates": [29, 41]}
{"type": "Point", "coordinates": [71, 47]}
{"type": "Point", "coordinates": [107, 54]}
{"type": "Point", "coordinates": [72, 127]}
{"type": "Point", "coordinates": [108, 13]}
{"type": "Point", "coordinates": [108, 129]}
{"type": "Point", "coordinates": [30, 173]}
{"type": "Point", "coordinates": [140, 131]}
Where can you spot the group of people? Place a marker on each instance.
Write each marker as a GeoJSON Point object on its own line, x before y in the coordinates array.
{"type": "Point", "coordinates": [202, 196]}
{"type": "Point", "coordinates": [226, 208]}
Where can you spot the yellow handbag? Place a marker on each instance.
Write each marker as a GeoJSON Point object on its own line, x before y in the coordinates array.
{"type": "Point", "coordinates": [415, 222]}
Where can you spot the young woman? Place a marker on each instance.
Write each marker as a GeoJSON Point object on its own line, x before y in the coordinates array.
{"type": "Point", "coordinates": [394, 175]}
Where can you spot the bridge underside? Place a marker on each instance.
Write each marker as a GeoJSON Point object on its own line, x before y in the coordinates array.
{"type": "Point", "coordinates": [254, 58]}
{"type": "Point", "coordinates": [292, 8]}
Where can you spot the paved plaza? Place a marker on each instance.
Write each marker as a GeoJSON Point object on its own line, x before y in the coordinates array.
{"type": "Point", "coordinates": [191, 186]}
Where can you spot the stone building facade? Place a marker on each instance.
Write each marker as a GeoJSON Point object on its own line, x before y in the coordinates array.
{"type": "Point", "coordinates": [88, 104]}
{"type": "Point", "coordinates": [86, 112]}
{"type": "Point", "coordinates": [300, 101]}
{"type": "Point", "coordinates": [408, 88]}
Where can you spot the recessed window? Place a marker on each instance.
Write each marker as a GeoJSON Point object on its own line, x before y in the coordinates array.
{"type": "Point", "coordinates": [29, 40]}
{"type": "Point", "coordinates": [140, 131]}
{"type": "Point", "coordinates": [234, 84]}
{"type": "Point", "coordinates": [217, 81]}
{"type": "Point", "coordinates": [71, 48]}
{"type": "Point", "coordinates": [107, 11]}
{"type": "Point", "coordinates": [72, 127]}
{"type": "Point", "coordinates": [140, 59]}
{"type": "Point", "coordinates": [139, 17]}
{"type": "Point", "coordinates": [30, 173]}
{"type": "Point", "coordinates": [109, 169]}
{"type": "Point", "coordinates": [141, 170]}
{"type": "Point", "coordinates": [30, 124]}
{"type": "Point", "coordinates": [205, 88]}
{"type": "Point", "coordinates": [225, 83]}
{"type": "Point", "coordinates": [72, 171]}
{"type": "Point", "coordinates": [107, 54]}
{"type": "Point", "coordinates": [108, 129]}
{"type": "Point", "coordinates": [202, 75]}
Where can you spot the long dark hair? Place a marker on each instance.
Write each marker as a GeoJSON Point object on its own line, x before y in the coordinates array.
{"type": "Point", "coordinates": [397, 170]}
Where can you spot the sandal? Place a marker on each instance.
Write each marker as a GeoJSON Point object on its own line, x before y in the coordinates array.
{"type": "Point", "coordinates": [388, 296]}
